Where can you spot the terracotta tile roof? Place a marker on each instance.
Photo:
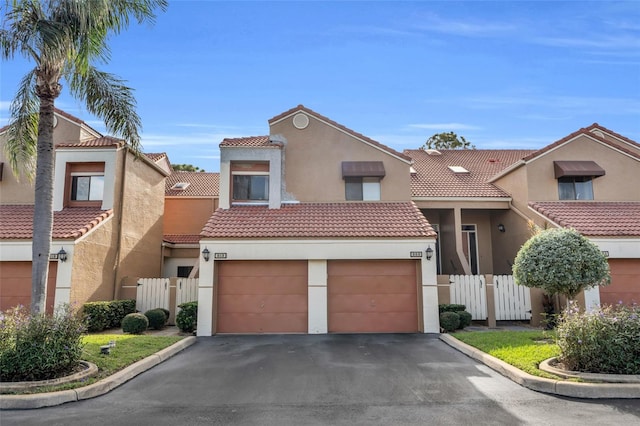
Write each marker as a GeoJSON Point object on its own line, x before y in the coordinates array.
{"type": "Point", "coordinates": [587, 132]}
{"type": "Point", "coordinates": [596, 126]}
{"type": "Point", "coordinates": [16, 222]}
{"type": "Point", "coordinates": [181, 239]}
{"type": "Point", "coordinates": [433, 178]}
{"type": "Point", "coordinates": [341, 127]}
{"type": "Point", "coordinates": [156, 156]}
{"type": "Point", "coordinates": [250, 142]}
{"type": "Point", "coordinates": [594, 218]}
{"type": "Point", "coordinates": [201, 184]}
{"type": "Point", "coordinates": [101, 142]}
{"type": "Point", "coordinates": [320, 220]}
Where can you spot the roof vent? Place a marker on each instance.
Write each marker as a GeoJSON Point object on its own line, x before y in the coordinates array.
{"type": "Point", "coordinates": [433, 152]}
{"type": "Point", "coordinates": [493, 160]}
{"type": "Point", "coordinates": [412, 170]}
{"type": "Point", "coordinates": [181, 186]}
{"type": "Point", "coordinates": [598, 133]}
{"type": "Point", "coordinates": [458, 169]}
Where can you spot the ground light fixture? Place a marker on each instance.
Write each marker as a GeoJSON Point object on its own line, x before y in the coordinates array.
{"type": "Point", "coordinates": [62, 255]}
{"type": "Point", "coordinates": [205, 254]}
{"type": "Point", "coordinates": [429, 253]}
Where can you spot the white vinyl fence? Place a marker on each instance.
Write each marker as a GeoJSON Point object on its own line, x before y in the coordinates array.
{"type": "Point", "coordinates": [186, 291]}
{"type": "Point", "coordinates": [152, 293]}
{"type": "Point", "coordinates": [471, 291]}
{"type": "Point", "coordinates": [512, 301]}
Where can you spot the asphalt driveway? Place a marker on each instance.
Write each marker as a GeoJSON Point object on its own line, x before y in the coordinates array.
{"type": "Point", "coordinates": [326, 379]}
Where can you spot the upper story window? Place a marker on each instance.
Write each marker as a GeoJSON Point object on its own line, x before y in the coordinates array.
{"type": "Point", "coordinates": [575, 179]}
{"type": "Point", "coordinates": [362, 180]}
{"type": "Point", "coordinates": [84, 184]}
{"type": "Point", "coordinates": [575, 188]}
{"type": "Point", "coordinates": [87, 188]}
{"type": "Point", "coordinates": [250, 181]}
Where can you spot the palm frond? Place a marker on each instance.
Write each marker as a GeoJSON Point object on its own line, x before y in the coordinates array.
{"type": "Point", "coordinates": [107, 97]}
{"type": "Point", "coordinates": [22, 134]}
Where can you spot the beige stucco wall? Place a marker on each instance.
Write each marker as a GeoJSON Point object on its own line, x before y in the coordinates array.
{"type": "Point", "coordinates": [142, 212]}
{"type": "Point", "coordinates": [184, 215]}
{"type": "Point", "coordinates": [619, 168]}
{"type": "Point", "coordinates": [313, 163]}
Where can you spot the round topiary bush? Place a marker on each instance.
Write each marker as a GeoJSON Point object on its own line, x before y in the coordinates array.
{"type": "Point", "coordinates": [135, 323]}
{"type": "Point", "coordinates": [187, 318]}
{"type": "Point", "coordinates": [465, 319]}
{"type": "Point", "coordinates": [157, 318]}
{"type": "Point", "coordinates": [449, 321]}
{"type": "Point", "coordinates": [166, 312]}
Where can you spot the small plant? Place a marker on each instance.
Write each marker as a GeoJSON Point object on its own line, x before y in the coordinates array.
{"type": "Point", "coordinates": [39, 347]}
{"type": "Point", "coordinates": [157, 318]}
{"type": "Point", "coordinates": [465, 319]}
{"type": "Point", "coordinates": [135, 323]}
{"type": "Point", "coordinates": [187, 318]}
{"type": "Point", "coordinates": [449, 321]}
{"type": "Point", "coordinates": [452, 307]}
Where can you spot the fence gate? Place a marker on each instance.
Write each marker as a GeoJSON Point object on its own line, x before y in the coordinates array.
{"type": "Point", "coordinates": [512, 301]}
{"type": "Point", "coordinates": [471, 291]}
{"type": "Point", "coordinates": [152, 293]}
{"type": "Point", "coordinates": [186, 291]}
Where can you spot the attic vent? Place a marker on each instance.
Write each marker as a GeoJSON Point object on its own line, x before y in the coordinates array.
{"type": "Point", "coordinates": [598, 133]}
{"type": "Point", "coordinates": [433, 152]}
{"type": "Point", "coordinates": [181, 186]}
{"type": "Point", "coordinates": [412, 170]}
{"type": "Point", "coordinates": [458, 169]}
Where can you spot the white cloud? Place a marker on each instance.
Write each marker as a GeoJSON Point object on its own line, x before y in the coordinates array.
{"type": "Point", "coordinates": [469, 28]}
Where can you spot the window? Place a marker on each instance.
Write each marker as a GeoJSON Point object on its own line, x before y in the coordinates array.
{"type": "Point", "coordinates": [87, 188]}
{"type": "Point", "coordinates": [362, 188]}
{"type": "Point", "coordinates": [184, 271]}
{"type": "Point", "coordinates": [575, 188]}
{"type": "Point", "coordinates": [250, 187]}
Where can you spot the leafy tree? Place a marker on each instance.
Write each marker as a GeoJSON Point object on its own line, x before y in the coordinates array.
{"type": "Point", "coordinates": [560, 261]}
{"type": "Point", "coordinates": [448, 140]}
{"type": "Point", "coordinates": [186, 168]}
{"type": "Point", "coordinates": [64, 38]}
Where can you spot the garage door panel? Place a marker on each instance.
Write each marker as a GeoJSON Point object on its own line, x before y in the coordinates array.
{"type": "Point", "coordinates": [262, 297]}
{"type": "Point", "coordinates": [371, 268]}
{"type": "Point", "coordinates": [358, 285]}
{"type": "Point", "coordinates": [262, 323]}
{"type": "Point", "coordinates": [282, 303]}
{"type": "Point", "coordinates": [261, 285]}
{"type": "Point", "coordinates": [393, 322]}
{"type": "Point", "coordinates": [15, 285]}
{"type": "Point", "coordinates": [373, 303]}
{"type": "Point", "coordinates": [372, 296]}
{"type": "Point", "coordinates": [625, 282]}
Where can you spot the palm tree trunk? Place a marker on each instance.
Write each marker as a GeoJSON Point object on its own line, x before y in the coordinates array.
{"type": "Point", "coordinates": [43, 208]}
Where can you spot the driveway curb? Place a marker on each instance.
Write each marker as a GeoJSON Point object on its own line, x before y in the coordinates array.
{"type": "Point", "coordinates": [541, 384]}
{"type": "Point", "coordinates": [49, 399]}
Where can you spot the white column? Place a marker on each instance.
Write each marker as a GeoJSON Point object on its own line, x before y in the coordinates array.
{"type": "Point", "coordinates": [430, 313]}
{"type": "Point", "coordinates": [317, 303]}
{"type": "Point", "coordinates": [63, 277]}
{"type": "Point", "coordinates": [205, 294]}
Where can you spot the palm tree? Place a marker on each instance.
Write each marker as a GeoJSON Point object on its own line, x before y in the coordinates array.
{"type": "Point", "coordinates": [64, 38]}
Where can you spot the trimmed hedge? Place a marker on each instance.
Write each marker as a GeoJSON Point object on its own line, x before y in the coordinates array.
{"type": "Point", "coordinates": [157, 318]}
{"type": "Point", "coordinates": [465, 319]}
{"type": "Point", "coordinates": [103, 315]}
{"type": "Point", "coordinates": [135, 323]}
{"type": "Point", "coordinates": [187, 318]}
{"type": "Point", "coordinates": [449, 321]}
{"type": "Point", "coordinates": [451, 308]}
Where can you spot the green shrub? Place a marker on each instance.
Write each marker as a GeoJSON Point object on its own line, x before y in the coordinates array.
{"type": "Point", "coordinates": [39, 347]}
{"type": "Point", "coordinates": [465, 319]}
{"type": "Point", "coordinates": [167, 313]}
{"type": "Point", "coordinates": [157, 318]}
{"type": "Point", "coordinates": [449, 321]}
{"type": "Point", "coordinates": [187, 318]}
{"type": "Point", "coordinates": [103, 315]}
{"type": "Point", "coordinates": [135, 323]}
{"type": "Point", "coordinates": [451, 308]}
{"type": "Point", "coordinates": [604, 340]}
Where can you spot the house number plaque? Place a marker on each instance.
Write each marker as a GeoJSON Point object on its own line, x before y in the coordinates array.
{"type": "Point", "coordinates": [415, 254]}
{"type": "Point", "coordinates": [219, 255]}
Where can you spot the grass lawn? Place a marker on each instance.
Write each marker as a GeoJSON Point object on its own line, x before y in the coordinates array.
{"type": "Point", "coordinates": [522, 349]}
{"type": "Point", "coordinates": [129, 349]}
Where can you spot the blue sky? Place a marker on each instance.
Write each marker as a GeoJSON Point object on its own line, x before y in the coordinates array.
{"type": "Point", "coordinates": [503, 74]}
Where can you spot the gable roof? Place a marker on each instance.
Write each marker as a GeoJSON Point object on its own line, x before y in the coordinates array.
{"type": "Point", "coordinates": [593, 218]}
{"type": "Point", "coordinates": [320, 220]}
{"type": "Point", "coordinates": [156, 156]}
{"type": "Point", "coordinates": [201, 184]}
{"type": "Point", "coordinates": [339, 126]}
{"type": "Point", "coordinates": [435, 179]}
{"type": "Point", "coordinates": [181, 238]}
{"type": "Point", "coordinates": [250, 142]}
{"type": "Point", "coordinates": [16, 222]}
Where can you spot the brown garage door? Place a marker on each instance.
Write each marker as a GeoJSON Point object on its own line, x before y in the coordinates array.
{"type": "Point", "coordinates": [625, 282]}
{"type": "Point", "coordinates": [372, 296]}
{"type": "Point", "coordinates": [262, 297]}
{"type": "Point", "coordinates": [15, 285]}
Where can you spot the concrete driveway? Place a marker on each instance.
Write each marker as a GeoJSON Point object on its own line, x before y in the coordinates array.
{"type": "Point", "coordinates": [327, 379]}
